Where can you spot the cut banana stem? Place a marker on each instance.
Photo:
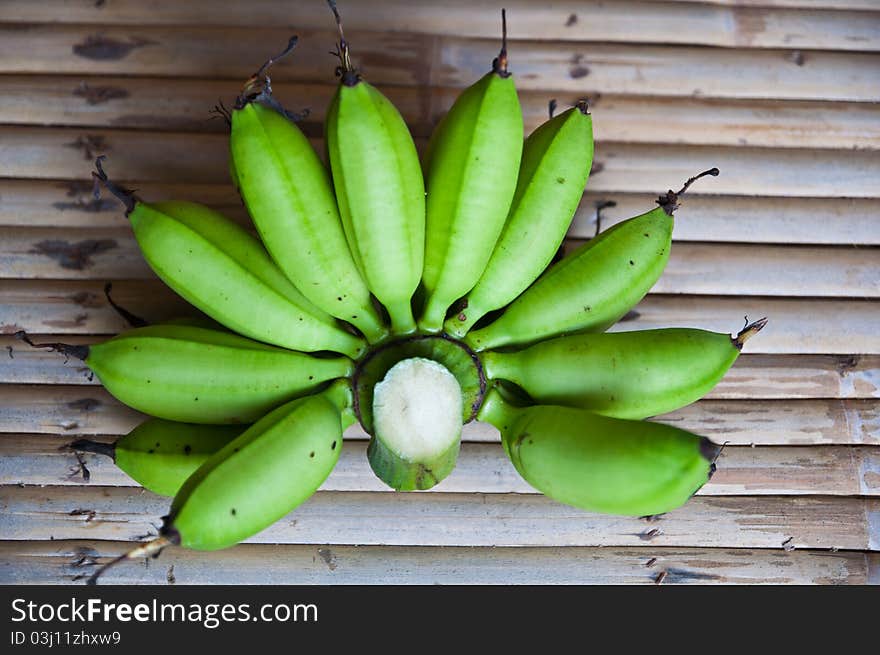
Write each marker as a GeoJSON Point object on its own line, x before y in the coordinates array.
{"type": "Point", "coordinates": [601, 464]}
{"type": "Point", "coordinates": [192, 374]}
{"type": "Point", "coordinates": [630, 375]}
{"type": "Point", "coordinates": [554, 170]}
{"type": "Point", "coordinates": [471, 171]}
{"type": "Point", "coordinates": [417, 411]}
{"type": "Point", "coordinates": [289, 195]}
{"type": "Point", "coordinates": [379, 188]}
{"type": "Point", "coordinates": [160, 455]}
{"type": "Point", "coordinates": [216, 265]}
{"type": "Point", "coordinates": [594, 286]}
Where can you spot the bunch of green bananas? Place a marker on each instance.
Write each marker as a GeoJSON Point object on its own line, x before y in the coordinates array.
{"type": "Point", "coordinates": [411, 296]}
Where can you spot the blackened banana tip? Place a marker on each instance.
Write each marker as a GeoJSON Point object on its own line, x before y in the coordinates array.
{"type": "Point", "coordinates": [750, 330]}
{"type": "Point", "coordinates": [96, 447]}
{"type": "Point", "coordinates": [709, 450]}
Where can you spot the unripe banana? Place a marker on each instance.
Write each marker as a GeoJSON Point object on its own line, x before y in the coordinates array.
{"type": "Point", "coordinates": [255, 479]}
{"type": "Point", "coordinates": [594, 286]}
{"type": "Point", "coordinates": [380, 190]}
{"type": "Point", "coordinates": [602, 464]}
{"type": "Point", "coordinates": [160, 455]}
{"type": "Point", "coordinates": [261, 475]}
{"type": "Point", "coordinates": [631, 375]}
{"type": "Point", "coordinates": [472, 166]}
{"type": "Point", "coordinates": [196, 375]}
{"type": "Point", "coordinates": [216, 265]}
{"type": "Point", "coordinates": [556, 163]}
{"type": "Point", "coordinates": [289, 196]}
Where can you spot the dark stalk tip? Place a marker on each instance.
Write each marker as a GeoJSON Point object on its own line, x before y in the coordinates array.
{"type": "Point", "coordinates": [291, 44]}
{"type": "Point", "coordinates": [77, 352]}
{"type": "Point", "coordinates": [96, 447]}
{"type": "Point", "coordinates": [258, 85]}
{"type": "Point", "coordinates": [750, 330]}
{"type": "Point", "coordinates": [221, 111]}
{"type": "Point", "coordinates": [499, 64]}
{"type": "Point", "coordinates": [132, 319]}
{"type": "Point", "coordinates": [125, 196]}
{"type": "Point", "coordinates": [714, 172]}
{"type": "Point", "coordinates": [669, 202]}
{"type": "Point", "coordinates": [551, 107]}
{"type": "Point", "coordinates": [709, 450]}
{"type": "Point", "coordinates": [346, 72]}
{"type": "Point", "coordinates": [583, 106]}
{"type": "Point", "coordinates": [149, 549]}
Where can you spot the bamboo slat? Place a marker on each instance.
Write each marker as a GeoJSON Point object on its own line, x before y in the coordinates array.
{"type": "Point", "coordinates": [848, 327]}
{"type": "Point", "coordinates": [801, 376]}
{"type": "Point", "coordinates": [183, 105]}
{"type": "Point", "coordinates": [60, 562]}
{"type": "Point", "coordinates": [75, 411]}
{"type": "Point", "coordinates": [799, 326]}
{"type": "Point", "coordinates": [54, 153]}
{"type": "Point", "coordinates": [70, 204]}
{"type": "Point", "coordinates": [584, 20]}
{"type": "Point", "coordinates": [484, 468]}
{"type": "Point", "coordinates": [51, 253]}
{"type": "Point", "coordinates": [454, 519]}
{"type": "Point", "coordinates": [421, 60]}
{"type": "Point", "coordinates": [753, 376]}
{"type": "Point", "coordinates": [744, 219]}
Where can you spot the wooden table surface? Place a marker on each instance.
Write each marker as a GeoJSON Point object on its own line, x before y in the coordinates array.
{"type": "Point", "coordinates": [781, 95]}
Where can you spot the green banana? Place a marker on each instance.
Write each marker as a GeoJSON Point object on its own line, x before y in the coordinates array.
{"type": "Point", "coordinates": [289, 195]}
{"type": "Point", "coordinates": [556, 163]}
{"type": "Point", "coordinates": [261, 475]}
{"type": "Point", "coordinates": [594, 286]}
{"type": "Point", "coordinates": [255, 479]}
{"type": "Point", "coordinates": [472, 164]}
{"type": "Point", "coordinates": [379, 188]}
{"type": "Point", "coordinates": [601, 464]}
{"type": "Point", "coordinates": [216, 265]}
{"type": "Point", "coordinates": [160, 455]}
{"type": "Point", "coordinates": [196, 375]}
{"type": "Point", "coordinates": [631, 375]}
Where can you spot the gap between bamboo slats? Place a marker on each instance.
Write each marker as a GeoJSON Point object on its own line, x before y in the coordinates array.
{"type": "Point", "coordinates": [65, 562]}
{"type": "Point", "coordinates": [52, 153]}
{"type": "Point", "coordinates": [42, 460]}
{"type": "Point", "coordinates": [798, 325]}
{"type": "Point", "coordinates": [456, 519]}
{"type": "Point", "coordinates": [426, 60]}
{"type": "Point", "coordinates": [184, 105]}
{"type": "Point", "coordinates": [833, 221]}
{"type": "Point", "coordinates": [584, 20]}
{"type": "Point", "coordinates": [708, 269]}
{"type": "Point", "coordinates": [78, 411]}
{"type": "Point", "coordinates": [759, 377]}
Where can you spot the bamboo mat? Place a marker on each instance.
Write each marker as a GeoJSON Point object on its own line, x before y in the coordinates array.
{"type": "Point", "coordinates": [781, 95]}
